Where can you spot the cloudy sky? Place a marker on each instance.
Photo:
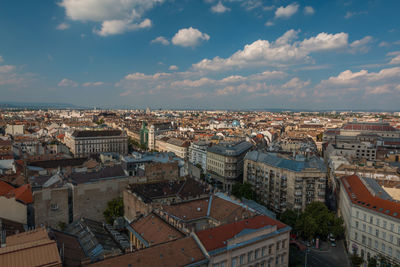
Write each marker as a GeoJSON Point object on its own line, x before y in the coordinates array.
{"type": "Point", "coordinates": [202, 53]}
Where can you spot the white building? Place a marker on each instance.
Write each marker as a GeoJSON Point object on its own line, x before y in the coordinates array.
{"type": "Point", "coordinates": [198, 153]}
{"type": "Point", "coordinates": [371, 218]}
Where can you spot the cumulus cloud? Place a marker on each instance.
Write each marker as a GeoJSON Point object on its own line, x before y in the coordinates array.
{"type": "Point", "coordinates": [189, 37]}
{"type": "Point", "coordinates": [309, 10]}
{"type": "Point", "coordinates": [396, 59]}
{"type": "Point", "coordinates": [92, 84]}
{"type": "Point", "coordinates": [220, 8]}
{"type": "Point", "coordinates": [7, 68]}
{"type": "Point", "coordinates": [364, 82]}
{"type": "Point", "coordinates": [362, 44]}
{"type": "Point", "coordinates": [285, 50]}
{"type": "Point", "coordinates": [112, 27]}
{"type": "Point", "coordinates": [286, 12]}
{"type": "Point", "coordinates": [173, 67]}
{"type": "Point", "coordinates": [296, 83]}
{"type": "Point", "coordinates": [67, 83]}
{"type": "Point", "coordinates": [62, 26]}
{"type": "Point", "coordinates": [160, 39]}
{"type": "Point", "coordinates": [115, 16]}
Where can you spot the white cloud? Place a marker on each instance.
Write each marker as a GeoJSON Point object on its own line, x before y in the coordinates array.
{"type": "Point", "coordinates": [283, 51]}
{"type": "Point", "coordinates": [112, 27]}
{"type": "Point", "coordinates": [115, 16]}
{"type": "Point", "coordinates": [67, 83]}
{"type": "Point", "coordinates": [395, 60]}
{"type": "Point", "coordinates": [189, 37]}
{"type": "Point", "coordinates": [384, 44]}
{"type": "Point", "coordinates": [173, 67]}
{"type": "Point", "coordinates": [62, 26]}
{"type": "Point", "coordinates": [220, 8]}
{"type": "Point", "coordinates": [92, 84]}
{"type": "Point", "coordinates": [296, 83]}
{"type": "Point", "coordinates": [352, 14]}
{"type": "Point", "coordinates": [269, 23]}
{"type": "Point", "coordinates": [6, 68]}
{"type": "Point", "coordinates": [286, 12]}
{"type": "Point", "coordinates": [361, 45]}
{"type": "Point", "coordinates": [160, 39]}
{"type": "Point", "coordinates": [142, 76]}
{"type": "Point", "coordinates": [309, 10]}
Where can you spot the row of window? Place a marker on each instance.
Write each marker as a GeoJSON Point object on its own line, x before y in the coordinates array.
{"type": "Point", "coordinates": [383, 248]}
{"type": "Point", "coordinates": [377, 222]}
{"type": "Point", "coordinates": [280, 259]}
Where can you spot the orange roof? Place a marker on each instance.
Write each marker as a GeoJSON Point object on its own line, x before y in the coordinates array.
{"type": "Point", "coordinates": [215, 238]}
{"type": "Point", "coordinates": [155, 230]}
{"type": "Point", "coordinates": [33, 248]}
{"type": "Point", "coordinates": [5, 188]}
{"type": "Point", "coordinates": [361, 196]}
{"type": "Point", "coordinates": [22, 193]}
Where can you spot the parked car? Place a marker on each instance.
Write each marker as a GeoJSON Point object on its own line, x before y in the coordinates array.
{"type": "Point", "coordinates": [331, 237]}
{"type": "Point", "coordinates": [333, 244]}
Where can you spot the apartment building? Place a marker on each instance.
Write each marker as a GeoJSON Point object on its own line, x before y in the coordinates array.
{"type": "Point", "coordinates": [87, 142]}
{"type": "Point", "coordinates": [225, 162]}
{"type": "Point", "coordinates": [198, 153]}
{"type": "Point", "coordinates": [285, 182]}
{"type": "Point", "coordinates": [371, 218]}
{"type": "Point", "coordinates": [177, 146]}
{"type": "Point", "coordinates": [258, 241]}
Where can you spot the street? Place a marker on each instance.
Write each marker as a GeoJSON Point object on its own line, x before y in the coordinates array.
{"type": "Point", "coordinates": [331, 257]}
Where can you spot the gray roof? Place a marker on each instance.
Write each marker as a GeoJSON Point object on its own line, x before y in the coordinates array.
{"type": "Point", "coordinates": [376, 189]}
{"type": "Point", "coordinates": [295, 165]}
{"type": "Point", "coordinates": [231, 149]}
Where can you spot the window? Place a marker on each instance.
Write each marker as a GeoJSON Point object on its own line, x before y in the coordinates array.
{"type": "Point", "coordinates": [263, 251]}
{"type": "Point", "coordinates": [222, 264]}
{"type": "Point", "coordinates": [392, 227]}
{"type": "Point", "coordinates": [383, 247]}
{"type": "Point", "coordinates": [355, 235]}
{"type": "Point", "coordinates": [369, 241]}
{"type": "Point", "coordinates": [383, 235]}
{"type": "Point", "coordinates": [377, 233]}
{"type": "Point", "coordinates": [370, 229]}
{"type": "Point", "coordinates": [364, 227]}
{"type": "Point", "coordinates": [376, 244]}
{"type": "Point", "coordinates": [282, 258]}
{"type": "Point", "coordinates": [377, 221]}
{"type": "Point", "coordinates": [276, 260]}
{"type": "Point", "coordinates": [234, 261]}
{"type": "Point", "coordinates": [241, 259]}
{"type": "Point", "coordinates": [357, 213]}
{"type": "Point", "coordinates": [277, 245]}
{"type": "Point", "coordinates": [283, 243]}
{"type": "Point", "coordinates": [371, 219]}
{"type": "Point", "coordinates": [390, 251]}
{"type": "Point", "coordinates": [365, 217]}
{"type": "Point", "coordinates": [384, 224]}
{"type": "Point", "coordinates": [391, 238]}
{"type": "Point", "coordinates": [363, 239]}
{"type": "Point", "coordinates": [356, 224]}
{"type": "Point", "coordinates": [270, 248]}
{"type": "Point", "coordinates": [257, 254]}
{"type": "Point", "coordinates": [249, 258]}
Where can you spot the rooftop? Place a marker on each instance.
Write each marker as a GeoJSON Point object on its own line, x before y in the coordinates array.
{"type": "Point", "coordinates": [179, 252]}
{"type": "Point", "coordinates": [88, 133]}
{"type": "Point", "coordinates": [234, 149]}
{"type": "Point", "coordinates": [295, 165]}
{"type": "Point", "coordinates": [360, 195]}
{"type": "Point", "coordinates": [217, 237]}
{"type": "Point", "coordinates": [155, 230]}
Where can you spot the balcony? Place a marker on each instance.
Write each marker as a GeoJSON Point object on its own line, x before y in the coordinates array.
{"type": "Point", "coordinates": [298, 193]}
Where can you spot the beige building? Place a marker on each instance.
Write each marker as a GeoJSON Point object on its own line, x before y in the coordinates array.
{"type": "Point", "coordinates": [225, 163]}
{"type": "Point", "coordinates": [371, 218]}
{"type": "Point", "coordinates": [285, 182]}
{"type": "Point", "coordinates": [258, 241]}
{"type": "Point", "coordinates": [177, 146]}
{"type": "Point", "coordinates": [84, 143]}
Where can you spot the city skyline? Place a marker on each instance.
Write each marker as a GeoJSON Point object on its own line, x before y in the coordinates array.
{"type": "Point", "coordinates": [202, 54]}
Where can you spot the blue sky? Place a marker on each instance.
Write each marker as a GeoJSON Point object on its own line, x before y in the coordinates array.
{"type": "Point", "coordinates": [202, 54]}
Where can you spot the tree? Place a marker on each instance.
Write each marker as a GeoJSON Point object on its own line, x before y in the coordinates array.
{"type": "Point", "coordinates": [244, 190]}
{"type": "Point", "coordinates": [307, 226]}
{"type": "Point", "coordinates": [337, 228]}
{"type": "Point", "coordinates": [115, 209]}
{"type": "Point", "coordinates": [372, 262]}
{"type": "Point", "coordinates": [356, 260]}
{"type": "Point", "coordinates": [289, 217]}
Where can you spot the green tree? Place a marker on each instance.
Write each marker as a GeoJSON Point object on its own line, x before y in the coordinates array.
{"type": "Point", "coordinates": [115, 209]}
{"type": "Point", "coordinates": [356, 260]}
{"type": "Point", "coordinates": [307, 226]}
{"type": "Point", "coordinates": [372, 262]}
{"type": "Point", "coordinates": [289, 217]}
{"type": "Point", "coordinates": [244, 190]}
{"type": "Point", "coordinates": [337, 227]}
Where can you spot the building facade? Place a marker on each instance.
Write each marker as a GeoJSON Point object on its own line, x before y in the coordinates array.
{"type": "Point", "coordinates": [225, 163]}
{"type": "Point", "coordinates": [84, 143]}
{"type": "Point", "coordinates": [371, 218]}
{"type": "Point", "coordinates": [198, 153]}
{"type": "Point", "coordinates": [286, 183]}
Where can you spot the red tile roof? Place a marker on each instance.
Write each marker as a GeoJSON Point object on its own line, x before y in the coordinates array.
{"type": "Point", "coordinates": [214, 238]}
{"type": "Point", "coordinates": [179, 252]}
{"type": "Point", "coordinates": [22, 193]}
{"type": "Point", "coordinates": [361, 196]}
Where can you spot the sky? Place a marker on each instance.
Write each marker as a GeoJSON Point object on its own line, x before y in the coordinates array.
{"type": "Point", "coordinates": [202, 54]}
